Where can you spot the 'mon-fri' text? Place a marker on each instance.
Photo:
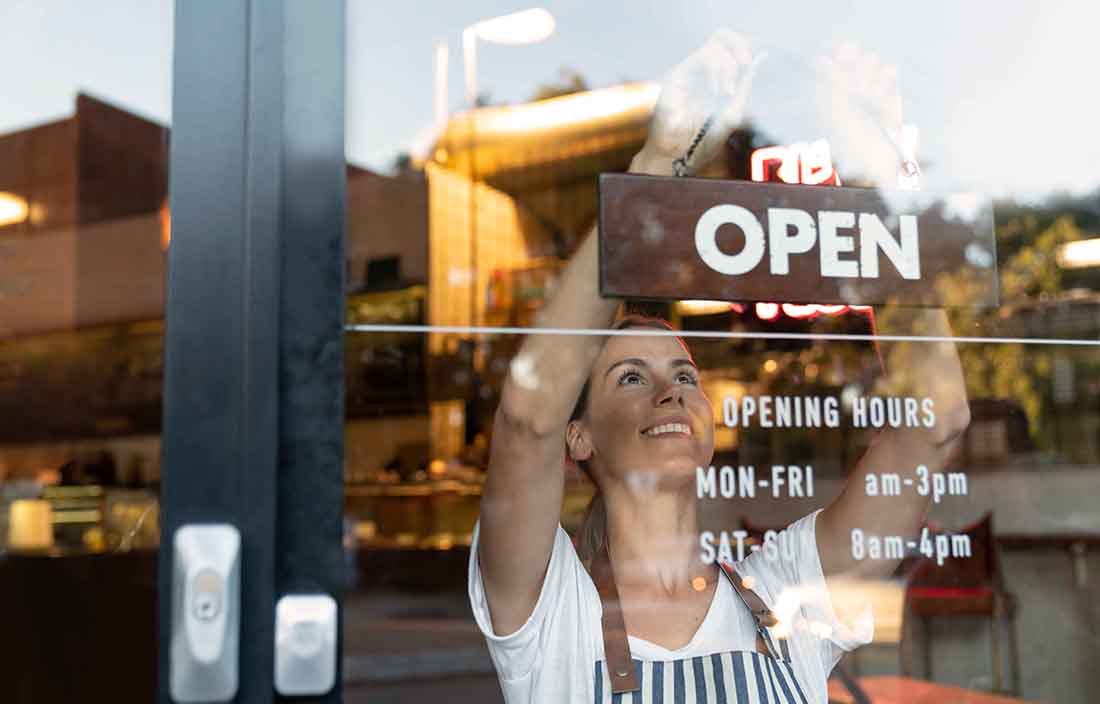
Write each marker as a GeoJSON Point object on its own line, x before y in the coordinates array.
{"type": "Point", "coordinates": [725, 482]}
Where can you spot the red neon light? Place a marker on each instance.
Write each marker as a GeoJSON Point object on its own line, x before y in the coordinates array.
{"type": "Point", "coordinates": [813, 310]}
{"type": "Point", "coordinates": [801, 312]}
{"type": "Point", "coordinates": [762, 159]}
{"type": "Point", "coordinates": [805, 163]}
{"type": "Point", "coordinates": [817, 164]}
{"type": "Point", "coordinates": [767, 311]}
{"type": "Point", "coordinates": [809, 311]}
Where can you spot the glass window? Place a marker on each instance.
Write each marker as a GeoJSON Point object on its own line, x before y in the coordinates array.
{"type": "Point", "coordinates": [691, 350]}
{"type": "Point", "coordinates": [84, 226]}
{"type": "Point", "coordinates": [903, 334]}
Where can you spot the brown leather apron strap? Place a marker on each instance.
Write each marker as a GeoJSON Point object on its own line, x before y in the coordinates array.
{"type": "Point", "coordinates": [761, 614]}
{"type": "Point", "coordinates": [616, 648]}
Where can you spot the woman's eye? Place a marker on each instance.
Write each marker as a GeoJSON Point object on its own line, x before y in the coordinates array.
{"type": "Point", "coordinates": [687, 378]}
{"type": "Point", "coordinates": [630, 377]}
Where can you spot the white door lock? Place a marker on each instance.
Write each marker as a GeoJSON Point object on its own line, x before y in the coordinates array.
{"type": "Point", "coordinates": [206, 598]}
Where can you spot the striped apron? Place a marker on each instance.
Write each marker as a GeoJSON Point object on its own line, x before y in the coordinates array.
{"type": "Point", "coordinates": [737, 677]}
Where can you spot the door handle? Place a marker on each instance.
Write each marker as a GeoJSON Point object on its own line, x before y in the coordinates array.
{"type": "Point", "coordinates": [206, 604]}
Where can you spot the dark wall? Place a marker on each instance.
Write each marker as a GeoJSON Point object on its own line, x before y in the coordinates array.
{"type": "Point", "coordinates": [39, 164]}
{"type": "Point", "coordinates": [122, 162]}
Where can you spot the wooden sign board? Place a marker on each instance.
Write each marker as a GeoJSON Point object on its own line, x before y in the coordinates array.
{"type": "Point", "coordinates": [694, 238]}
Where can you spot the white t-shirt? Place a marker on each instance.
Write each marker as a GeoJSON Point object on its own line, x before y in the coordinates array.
{"type": "Point", "coordinates": [551, 658]}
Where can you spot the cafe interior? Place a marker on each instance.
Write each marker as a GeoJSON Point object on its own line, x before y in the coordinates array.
{"type": "Point", "coordinates": [474, 231]}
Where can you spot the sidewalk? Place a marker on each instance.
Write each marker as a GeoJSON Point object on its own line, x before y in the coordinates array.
{"type": "Point", "coordinates": [400, 648]}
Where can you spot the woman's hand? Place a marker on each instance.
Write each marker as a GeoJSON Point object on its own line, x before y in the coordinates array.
{"type": "Point", "coordinates": [708, 88]}
{"type": "Point", "coordinates": [861, 97]}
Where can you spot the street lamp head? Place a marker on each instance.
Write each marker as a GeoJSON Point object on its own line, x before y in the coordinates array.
{"type": "Point", "coordinates": [525, 27]}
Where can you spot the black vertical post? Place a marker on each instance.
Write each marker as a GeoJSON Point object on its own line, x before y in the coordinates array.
{"type": "Point", "coordinates": [253, 415]}
{"type": "Point", "coordinates": [312, 310]}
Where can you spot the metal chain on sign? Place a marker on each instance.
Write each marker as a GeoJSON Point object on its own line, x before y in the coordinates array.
{"type": "Point", "coordinates": [680, 166]}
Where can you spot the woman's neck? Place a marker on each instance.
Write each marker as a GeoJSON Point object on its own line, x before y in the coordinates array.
{"type": "Point", "coordinates": [653, 539]}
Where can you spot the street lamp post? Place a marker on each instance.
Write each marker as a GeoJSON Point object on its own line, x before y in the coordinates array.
{"type": "Point", "coordinates": [517, 28]}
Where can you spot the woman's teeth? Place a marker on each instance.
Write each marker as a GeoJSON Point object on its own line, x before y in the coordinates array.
{"type": "Point", "coordinates": [669, 428]}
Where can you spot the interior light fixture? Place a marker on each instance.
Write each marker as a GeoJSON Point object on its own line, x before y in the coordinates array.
{"type": "Point", "coordinates": [13, 209]}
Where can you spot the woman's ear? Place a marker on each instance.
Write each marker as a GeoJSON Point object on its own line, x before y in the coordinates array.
{"type": "Point", "coordinates": [578, 442]}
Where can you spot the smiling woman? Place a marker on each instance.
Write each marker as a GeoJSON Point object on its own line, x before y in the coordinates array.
{"type": "Point", "coordinates": [631, 606]}
{"type": "Point", "coordinates": [670, 425]}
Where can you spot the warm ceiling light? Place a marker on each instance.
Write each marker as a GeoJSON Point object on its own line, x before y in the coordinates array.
{"type": "Point", "coordinates": [1079, 254]}
{"type": "Point", "coordinates": [13, 209]}
{"type": "Point", "coordinates": [702, 307]}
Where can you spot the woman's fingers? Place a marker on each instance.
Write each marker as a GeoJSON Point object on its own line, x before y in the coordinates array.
{"type": "Point", "coordinates": [859, 94]}
{"type": "Point", "coordinates": [726, 118]}
{"type": "Point", "coordinates": [737, 44]}
{"type": "Point", "coordinates": [865, 81]}
{"type": "Point", "coordinates": [702, 100]}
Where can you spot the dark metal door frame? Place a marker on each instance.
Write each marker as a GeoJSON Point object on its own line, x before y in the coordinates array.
{"type": "Point", "coordinates": [253, 379]}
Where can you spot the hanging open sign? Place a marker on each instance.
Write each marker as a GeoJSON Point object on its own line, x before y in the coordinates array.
{"type": "Point", "coordinates": [677, 238]}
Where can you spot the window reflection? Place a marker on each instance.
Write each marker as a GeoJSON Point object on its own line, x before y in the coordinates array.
{"type": "Point", "coordinates": [474, 229]}
{"type": "Point", "coordinates": [528, 203]}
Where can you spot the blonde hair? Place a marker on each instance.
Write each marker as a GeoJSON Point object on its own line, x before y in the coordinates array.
{"type": "Point", "coordinates": [591, 536]}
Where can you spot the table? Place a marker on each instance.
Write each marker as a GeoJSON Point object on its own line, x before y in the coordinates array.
{"type": "Point", "coordinates": [905, 690]}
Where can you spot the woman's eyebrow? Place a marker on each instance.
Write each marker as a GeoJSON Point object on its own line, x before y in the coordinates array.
{"type": "Point", "coordinates": [629, 360]}
{"type": "Point", "coordinates": [683, 362]}
{"type": "Point", "coordinates": [636, 361]}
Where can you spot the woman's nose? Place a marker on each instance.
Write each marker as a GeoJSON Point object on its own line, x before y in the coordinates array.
{"type": "Point", "coordinates": [671, 395]}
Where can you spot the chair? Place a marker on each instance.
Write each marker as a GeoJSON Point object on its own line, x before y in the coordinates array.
{"type": "Point", "coordinates": [963, 587]}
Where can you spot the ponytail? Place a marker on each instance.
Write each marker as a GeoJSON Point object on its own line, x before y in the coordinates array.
{"type": "Point", "coordinates": [592, 535]}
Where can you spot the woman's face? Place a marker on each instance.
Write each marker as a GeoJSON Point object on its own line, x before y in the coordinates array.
{"type": "Point", "coordinates": [648, 422]}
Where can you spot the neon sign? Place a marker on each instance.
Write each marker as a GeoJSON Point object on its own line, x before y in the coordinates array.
{"type": "Point", "coordinates": [807, 163]}
{"type": "Point", "coordinates": [809, 311]}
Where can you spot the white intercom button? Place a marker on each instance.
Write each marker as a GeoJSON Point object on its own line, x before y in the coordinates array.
{"type": "Point", "coordinates": [305, 644]}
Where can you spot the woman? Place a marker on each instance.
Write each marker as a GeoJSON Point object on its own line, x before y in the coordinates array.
{"type": "Point", "coordinates": [638, 611]}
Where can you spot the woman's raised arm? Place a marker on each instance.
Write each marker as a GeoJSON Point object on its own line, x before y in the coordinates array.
{"type": "Point", "coordinates": [926, 371]}
{"type": "Point", "coordinates": [521, 503]}
{"type": "Point", "coordinates": [929, 372]}
{"type": "Point", "coordinates": [522, 499]}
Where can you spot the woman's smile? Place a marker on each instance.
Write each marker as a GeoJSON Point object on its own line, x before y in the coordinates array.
{"type": "Point", "coordinates": [670, 428]}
